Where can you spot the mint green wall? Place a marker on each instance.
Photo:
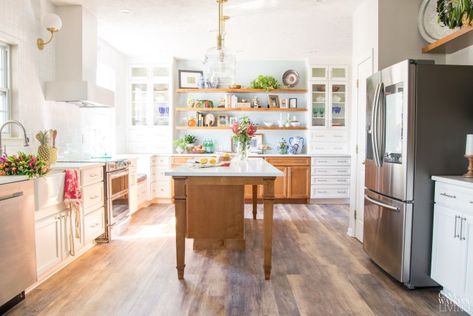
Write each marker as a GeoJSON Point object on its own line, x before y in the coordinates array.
{"type": "Point", "coordinates": [245, 73]}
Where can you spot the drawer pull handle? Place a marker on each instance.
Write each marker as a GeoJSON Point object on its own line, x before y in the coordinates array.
{"type": "Point", "coordinates": [342, 181]}
{"type": "Point", "coordinates": [455, 230]}
{"type": "Point", "coordinates": [448, 195]}
{"type": "Point", "coordinates": [93, 175]}
{"type": "Point", "coordinates": [461, 228]}
{"type": "Point", "coordinates": [11, 196]}
{"type": "Point", "coordinates": [94, 197]}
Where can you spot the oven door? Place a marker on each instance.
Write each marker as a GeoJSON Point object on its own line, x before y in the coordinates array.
{"type": "Point", "coordinates": [117, 193]}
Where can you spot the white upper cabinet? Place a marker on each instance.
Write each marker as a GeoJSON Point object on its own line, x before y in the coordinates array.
{"type": "Point", "coordinates": [149, 96]}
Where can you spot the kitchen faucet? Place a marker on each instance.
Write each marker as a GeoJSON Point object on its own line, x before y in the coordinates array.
{"type": "Point", "coordinates": [27, 140]}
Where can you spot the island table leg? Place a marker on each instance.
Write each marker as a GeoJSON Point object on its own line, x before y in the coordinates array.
{"type": "Point", "coordinates": [255, 199]}
{"type": "Point", "coordinates": [180, 197]}
{"type": "Point", "coordinates": [268, 200]}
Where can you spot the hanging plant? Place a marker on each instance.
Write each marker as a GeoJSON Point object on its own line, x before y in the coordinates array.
{"type": "Point", "coordinates": [455, 13]}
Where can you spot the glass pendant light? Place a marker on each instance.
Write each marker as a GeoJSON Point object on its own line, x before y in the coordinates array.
{"type": "Point", "coordinates": [220, 62]}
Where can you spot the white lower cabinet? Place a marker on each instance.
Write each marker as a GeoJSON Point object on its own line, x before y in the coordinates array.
{"type": "Point", "coordinates": [452, 243]}
{"type": "Point", "coordinates": [48, 243]}
{"type": "Point", "coordinates": [94, 224]}
{"type": "Point", "coordinates": [330, 178]}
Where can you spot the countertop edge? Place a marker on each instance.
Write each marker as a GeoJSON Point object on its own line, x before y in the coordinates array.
{"type": "Point", "coordinates": [455, 180]}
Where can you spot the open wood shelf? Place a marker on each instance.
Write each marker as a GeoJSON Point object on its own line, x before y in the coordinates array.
{"type": "Point", "coordinates": [243, 90]}
{"type": "Point", "coordinates": [451, 43]}
{"type": "Point", "coordinates": [240, 109]}
{"type": "Point", "coordinates": [260, 128]}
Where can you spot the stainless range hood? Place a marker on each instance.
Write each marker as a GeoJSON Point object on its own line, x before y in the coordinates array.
{"type": "Point", "coordinates": [76, 61]}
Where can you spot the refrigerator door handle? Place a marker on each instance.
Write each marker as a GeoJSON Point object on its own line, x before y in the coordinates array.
{"type": "Point", "coordinates": [380, 129]}
{"type": "Point", "coordinates": [374, 133]}
{"type": "Point", "coordinates": [389, 207]}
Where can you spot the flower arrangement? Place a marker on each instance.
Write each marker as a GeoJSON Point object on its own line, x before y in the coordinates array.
{"type": "Point", "coordinates": [22, 165]}
{"type": "Point", "coordinates": [243, 131]}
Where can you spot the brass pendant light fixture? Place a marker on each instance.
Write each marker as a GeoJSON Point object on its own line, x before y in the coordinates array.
{"type": "Point", "coordinates": [219, 62]}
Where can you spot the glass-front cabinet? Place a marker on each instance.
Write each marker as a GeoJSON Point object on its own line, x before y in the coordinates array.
{"type": "Point", "coordinates": [150, 96]}
{"type": "Point", "coordinates": [329, 96]}
{"type": "Point", "coordinates": [319, 104]}
{"type": "Point", "coordinates": [337, 104]}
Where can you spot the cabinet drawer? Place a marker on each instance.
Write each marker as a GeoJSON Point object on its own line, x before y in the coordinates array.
{"type": "Point", "coordinates": [289, 161]}
{"type": "Point", "coordinates": [94, 224]}
{"type": "Point", "coordinates": [330, 192]}
{"type": "Point", "coordinates": [93, 196]}
{"type": "Point", "coordinates": [454, 196]}
{"type": "Point", "coordinates": [329, 136]}
{"type": "Point", "coordinates": [160, 160]}
{"type": "Point", "coordinates": [89, 176]}
{"type": "Point", "coordinates": [330, 171]}
{"type": "Point", "coordinates": [329, 148]}
{"type": "Point", "coordinates": [330, 180]}
{"type": "Point", "coordinates": [161, 190]}
{"type": "Point", "coordinates": [330, 161]}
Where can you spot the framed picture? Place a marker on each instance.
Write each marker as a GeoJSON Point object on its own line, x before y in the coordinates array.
{"type": "Point", "coordinates": [232, 120]}
{"type": "Point", "coordinates": [222, 120]}
{"type": "Point", "coordinates": [284, 103]}
{"type": "Point", "coordinates": [189, 79]}
{"type": "Point", "coordinates": [256, 144]}
{"type": "Point", "coordinates": [293, 103]}
{"type": "Point", "coordinates": [273, 101]}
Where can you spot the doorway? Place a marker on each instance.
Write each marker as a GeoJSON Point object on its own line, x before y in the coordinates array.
{"type": "Point", "coordinates": [364, 69]}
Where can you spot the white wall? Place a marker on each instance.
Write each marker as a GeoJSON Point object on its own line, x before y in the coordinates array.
{"type": "Point", "coordinates": [365, 33]}
{"type": "Point", "coordinates": [80, 131]}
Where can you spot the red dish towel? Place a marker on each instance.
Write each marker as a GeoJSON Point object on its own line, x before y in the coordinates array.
{"type": "Point", "coordinates": [72, 199]}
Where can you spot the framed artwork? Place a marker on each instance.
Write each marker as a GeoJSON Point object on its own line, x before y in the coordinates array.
{"type": "Point", "coordinates": [284, 103]}
{"type": "Point", "coordinates": [189, 79]}
{"type": "Point", "coordinates": [256, 144]}
{"type": "Point", "coordinates": [293, 103]}
{"type": "Point", "coordinates": [233, 145]}
{"type": "Point", "coordinates": [273, 101]}
{"type": "Point", "coordinates": [222, 120]}
{"type": "Point", "coordinates": [232, 120]}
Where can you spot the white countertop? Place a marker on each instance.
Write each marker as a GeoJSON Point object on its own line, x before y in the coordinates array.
{"type": "Point", "coordinates": [12, 179]}
{"type": "Point", "coordinates": [76, 165]}
{"type": "Point", "coordinates": [253, 167]}
{"type": "Point", "coordinates": [259, 155]}
{"type": "Point", "coordinates": [456, 180]}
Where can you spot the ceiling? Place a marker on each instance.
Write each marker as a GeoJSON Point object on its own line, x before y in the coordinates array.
{"type": "Point", "coordinates": [257, 29]}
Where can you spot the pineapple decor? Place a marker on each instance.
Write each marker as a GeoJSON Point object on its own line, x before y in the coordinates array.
{"type": "Point", "coordinates": [44, 152]}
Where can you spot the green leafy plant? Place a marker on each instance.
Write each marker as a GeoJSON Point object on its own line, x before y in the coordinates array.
{"type": "Point", "coordinates": [455, 13]}
{"type": "Point", "coordinates": [180, 142]}
{"type": "Point", "coordinates": [190, 139]}
{"type": "Point", "coordinates": [22, 165]}
{"type": "Point", "coordinates": [265, 82]}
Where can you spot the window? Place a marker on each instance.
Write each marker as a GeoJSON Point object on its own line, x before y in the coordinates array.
{"type": "Point", "coordinates": [4, 84]}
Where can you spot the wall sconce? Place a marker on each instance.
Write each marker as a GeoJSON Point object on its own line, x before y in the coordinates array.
{"type": "Point", "coordinates": [52, 23]}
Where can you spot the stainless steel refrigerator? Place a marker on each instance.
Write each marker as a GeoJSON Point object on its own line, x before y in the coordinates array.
{"type": "Point", "coordinates": [418, 115]}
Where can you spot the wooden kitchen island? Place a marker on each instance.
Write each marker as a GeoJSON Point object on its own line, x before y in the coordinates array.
{"type": "Point", "coordinates": [209, 206]}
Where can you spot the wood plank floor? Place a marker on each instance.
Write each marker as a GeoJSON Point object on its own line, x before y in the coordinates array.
{"type": "Point", "coordinates": [317, 270]}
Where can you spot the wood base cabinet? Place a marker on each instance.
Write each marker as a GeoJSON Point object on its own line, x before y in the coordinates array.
{"type": "Point", "coordinates": [452, 244]}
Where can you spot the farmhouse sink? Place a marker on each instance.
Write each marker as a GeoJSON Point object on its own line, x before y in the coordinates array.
{"type": "Point", "coordinates": [49, 190]}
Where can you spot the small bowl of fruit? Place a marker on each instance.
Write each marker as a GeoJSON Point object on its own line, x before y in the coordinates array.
{"type": "Point", "coordinates": [199, 149]}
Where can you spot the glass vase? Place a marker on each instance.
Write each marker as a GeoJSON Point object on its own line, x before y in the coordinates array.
{"type": "Point", "coordinates": [243, 150]}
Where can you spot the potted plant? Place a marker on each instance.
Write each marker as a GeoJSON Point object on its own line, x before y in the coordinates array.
{"type": "Point", "coordinates": [180, 145]}
{"type": "Point", "coordinates": [265, 82]}
{"type": "Point", "coordinates": [283, 147]}
{"type": "Point", "coordinates": [190, 141]}
{"type": "Point", "coordinates": [243, 131]}
{"type": "Point", "coordinates": [455, 13]}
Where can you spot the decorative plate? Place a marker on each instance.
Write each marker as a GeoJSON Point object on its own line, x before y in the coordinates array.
{"type": "Point", "coordinates": [427, 22]}
{"type": "Point", "coordinates": [290, 78]}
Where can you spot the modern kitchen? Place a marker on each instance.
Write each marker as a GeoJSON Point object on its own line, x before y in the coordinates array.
{"type": "Point", "coordinates": [236, 157]}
